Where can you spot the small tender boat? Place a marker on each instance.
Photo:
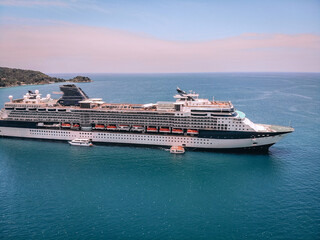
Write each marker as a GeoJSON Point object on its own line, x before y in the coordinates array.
{"type": "Point", "coordinates": [177, 149]}
{"type": "Point", "coordinates": [81, 142]}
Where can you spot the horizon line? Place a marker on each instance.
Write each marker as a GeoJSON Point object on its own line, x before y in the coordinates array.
{"type": "Point", "coordinates": [174, 72]}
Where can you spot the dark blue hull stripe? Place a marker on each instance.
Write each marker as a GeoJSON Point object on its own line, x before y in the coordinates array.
{"type": "Point", "coordinates": [235, 134]}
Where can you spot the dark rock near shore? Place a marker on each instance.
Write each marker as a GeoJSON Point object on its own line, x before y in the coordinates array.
{"type": "Point", "coordinates": [80, 79]}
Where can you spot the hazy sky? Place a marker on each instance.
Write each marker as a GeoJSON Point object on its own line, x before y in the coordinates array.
{"type": "Point", "coordinates": [160, 36]}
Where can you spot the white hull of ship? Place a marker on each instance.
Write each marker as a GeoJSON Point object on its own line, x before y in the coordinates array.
{"type": "Point", "coordinates": [140, 138]}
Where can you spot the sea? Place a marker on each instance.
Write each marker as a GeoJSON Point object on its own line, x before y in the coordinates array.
{"type": "Point", "coordinates": [51, 190]}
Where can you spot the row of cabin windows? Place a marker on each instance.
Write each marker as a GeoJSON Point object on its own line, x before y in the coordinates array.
{"type": "Point", "coordinates": [154, 138]}
{"type": "Point", "coordinates": [159, 140]}
{"type": "Point", "coordinates": [52, 133]}
{"type": "Point", "coordinates": [149, 136]}
{"type": "Point", "coordinates": [225, 127]}
{"type": "Point", "coordinates": [43, 114]}
{"type": "Point", "coordinates": [105, 119]}
{"type": "Point", "coordinates": [146, 122]}
{"type": "Point", "coordinates": [116, 115]}
{"type": "Point", "coordinates": [125, 117]}
{"type": "Point", "coordinates": [48, 131]}
{"type": "Point", "coordinates": [124, 137]}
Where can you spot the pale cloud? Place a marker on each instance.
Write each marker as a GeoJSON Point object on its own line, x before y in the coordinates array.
{"type": "Point", "coordinates": [69, 4]}
{"type": "Point", "coordinates": [28, 3]}
{"type": "Point", "coordinates": [74, 48]}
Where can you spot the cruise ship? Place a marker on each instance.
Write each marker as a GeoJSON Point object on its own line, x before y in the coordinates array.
{"type": "Point", "coordinates": [189, 121]}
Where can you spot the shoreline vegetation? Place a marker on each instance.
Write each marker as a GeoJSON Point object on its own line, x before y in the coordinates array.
{"type": "Point", "coordinates": [12, 77]}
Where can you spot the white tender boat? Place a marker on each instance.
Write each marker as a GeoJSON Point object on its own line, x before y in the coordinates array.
{"type": "Point", "coordinates": [81, 142]}
{"type": "Point", "coordinates": [177, 149]}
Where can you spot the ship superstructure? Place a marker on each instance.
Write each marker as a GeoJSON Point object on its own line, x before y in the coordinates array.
{"type": "Point", "coordinates": [190, 121]}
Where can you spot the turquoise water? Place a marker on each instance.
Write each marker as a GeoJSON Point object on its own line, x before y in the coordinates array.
{"type": "Point", "coordinates": [50, 190]}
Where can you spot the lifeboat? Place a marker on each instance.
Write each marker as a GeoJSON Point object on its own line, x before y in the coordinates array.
{"type": "Point", "coordinates": [152, 129]}
{"type": "Point", "coordinates": [177, 130]}
{"type": "Point", "coordinates": [66, 125]}
{"type": "Point", "coordinates": [99, 126]}
{"type": "Point", "coordinates": [164, 130]}
{"type": "Point", "coordinates": [137, 128]}
{"type": "Point", "coordinates": [111, 127]}
{"type": "Point", "coordinates": [49, 125]}
{"type": "Point", "coordinates": [75, 126]}
{"type": "Point", "coordinates": [124, 127]}
{"type": "Point", "coordinates": [192, 131]}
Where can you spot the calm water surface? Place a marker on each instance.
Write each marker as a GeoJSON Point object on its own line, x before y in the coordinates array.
{"type": "Point", "coordinates": [50, 190]}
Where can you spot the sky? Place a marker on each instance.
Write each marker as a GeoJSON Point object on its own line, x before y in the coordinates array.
{"type": "Point", "coordinates": [82, 36]}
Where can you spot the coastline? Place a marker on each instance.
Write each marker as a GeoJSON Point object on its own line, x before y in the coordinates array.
{"type": "Point", "coordinates": [66, 81]}
{"type": "Point", "coordinates": [13, 77]}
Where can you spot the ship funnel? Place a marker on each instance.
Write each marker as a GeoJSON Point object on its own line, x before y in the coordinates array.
{"type": "Point", "coordinates": [72, 95]}
{"type": "Point", "coordinates": [181, 92]}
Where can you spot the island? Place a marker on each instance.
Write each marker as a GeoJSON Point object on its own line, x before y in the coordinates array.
{"type": "Point", "coordinates": [11, 77]}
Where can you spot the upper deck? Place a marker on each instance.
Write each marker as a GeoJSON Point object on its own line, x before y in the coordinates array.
{"type": "Point", "coordinates": [185, 103]}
